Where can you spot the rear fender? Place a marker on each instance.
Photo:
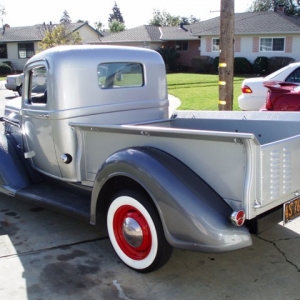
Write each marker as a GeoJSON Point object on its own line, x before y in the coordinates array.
{"type": "Point", "coordinates": [193, 215]}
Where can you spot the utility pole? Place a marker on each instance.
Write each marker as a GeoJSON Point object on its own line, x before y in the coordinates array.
{"type": "Point", "coordinates": [226, 59]}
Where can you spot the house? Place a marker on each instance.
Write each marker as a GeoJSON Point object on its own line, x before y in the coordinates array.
{"type": "Point", "coordinates": [154, 37]}
{"type": "Point", "coordinates": [256, 34]}
{"type": "Point", "coordinates": [18, 44]}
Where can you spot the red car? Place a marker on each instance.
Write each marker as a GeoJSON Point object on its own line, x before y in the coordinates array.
{"type": "Point", "coordinates": [282, 96]}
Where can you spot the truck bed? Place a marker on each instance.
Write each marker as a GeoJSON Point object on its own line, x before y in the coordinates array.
{"type": "Point", "coordinates": [252, 164]}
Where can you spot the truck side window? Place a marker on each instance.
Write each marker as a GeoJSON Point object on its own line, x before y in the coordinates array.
{"type": "Point", "coordinates": [120, 75]}
{"type": "Point", "coordinates": [38, 86]}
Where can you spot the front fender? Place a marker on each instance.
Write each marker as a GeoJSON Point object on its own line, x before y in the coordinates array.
{"type": "Point", "coordinates": [193, 215]}
{"type": "Point", "coordinates": [13, 173]}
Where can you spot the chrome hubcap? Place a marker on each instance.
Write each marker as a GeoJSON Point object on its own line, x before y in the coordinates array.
{"type": "Point", "coordinates": [132, 232]}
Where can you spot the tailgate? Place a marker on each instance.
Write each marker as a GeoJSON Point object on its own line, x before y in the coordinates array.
{"type": "Point", "coordinates": [280, 172]}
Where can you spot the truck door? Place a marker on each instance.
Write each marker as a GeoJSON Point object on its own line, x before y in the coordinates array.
{"type": "Point", "coordinates": [36, 121]}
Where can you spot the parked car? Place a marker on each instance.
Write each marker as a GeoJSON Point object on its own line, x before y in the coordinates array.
{"type": "Point", "coordinates": [282, 96]}
{"type": "Point", "coordinates": [254, 93]}
{"type": "Point", "coordinates": [14, 83]}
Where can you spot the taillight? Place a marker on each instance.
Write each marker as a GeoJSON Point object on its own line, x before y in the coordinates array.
{"type": "Point", "coordinates": [269, 105]}
{"type": "Point", "coordinates": [246, 89]}
{"type": "Point", "coordinates": [238, 217]}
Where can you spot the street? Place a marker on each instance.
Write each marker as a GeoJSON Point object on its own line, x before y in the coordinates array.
{"type": "Point", "coordinates": [45, 255]}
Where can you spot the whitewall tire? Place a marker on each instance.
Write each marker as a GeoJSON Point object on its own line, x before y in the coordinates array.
{"type": "Point", "coordinates": [136, 233]}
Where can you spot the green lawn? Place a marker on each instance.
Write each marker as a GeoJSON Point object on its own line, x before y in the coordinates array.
{"type": "Point", "coordinates": [199, 91]}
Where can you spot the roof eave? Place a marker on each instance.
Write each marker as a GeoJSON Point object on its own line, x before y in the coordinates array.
{"type": "Point", "coordinates": [251, 33]}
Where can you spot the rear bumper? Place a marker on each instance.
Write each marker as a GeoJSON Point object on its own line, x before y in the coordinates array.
{"type": "Point", "coordinates": [247, 102]}
{"type": "Point", "coordinates": [265, 220]}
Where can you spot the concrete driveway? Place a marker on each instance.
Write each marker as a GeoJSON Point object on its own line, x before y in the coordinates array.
{"type": "Point", "coordinates": [46, 256]}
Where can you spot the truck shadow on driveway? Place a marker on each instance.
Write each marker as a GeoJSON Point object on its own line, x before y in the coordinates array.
{"type": "Point", "coordinates": [12, 97]}
{"type": "Point", "coordinates": [45, 255]}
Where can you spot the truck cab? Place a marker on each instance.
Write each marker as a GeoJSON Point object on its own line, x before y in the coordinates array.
{"type": "Point", "coordinates": [61, 85]}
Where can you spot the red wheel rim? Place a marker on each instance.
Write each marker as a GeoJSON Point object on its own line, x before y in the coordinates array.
{"type": "Point", "coordinates": [136, 253]}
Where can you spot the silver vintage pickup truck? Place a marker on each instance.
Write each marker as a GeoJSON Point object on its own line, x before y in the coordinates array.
{"type": "Point", "coordinates": [91, 137]}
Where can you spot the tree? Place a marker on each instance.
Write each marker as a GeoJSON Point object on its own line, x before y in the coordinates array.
{"type": "Point", "coordinates": [193, 19]}
{"type": "Point", "coordinates": [163, 18]}
{"type": "Point", "coordinates": [2, 12]}
{"type": "Point", "coordinates": [116, 26]}
{"type": "Point", "coordinates": [59, 36]}
{"type": "Point", "coordinates": [115, 20]}
{"type": "Point", "coordinates": [99, 26]}
{"type": "Point", "coordinates": [65, 19]}
{"type": "Point", "coordinates": [190, 20]}
{"type": "Point", "coordinates": [290, 6]}
{"type": "Point", "coordinates": [261, 5]}
{"type": "Point", "coordinates": [116, 15]}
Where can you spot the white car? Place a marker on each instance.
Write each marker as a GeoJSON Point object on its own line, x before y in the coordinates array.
{"type": "Point", "coordinates": [254, 94]}
{"type": "Point", "coordinates": [14, 83]}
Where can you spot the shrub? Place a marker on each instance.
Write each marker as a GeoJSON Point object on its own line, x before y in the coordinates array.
{"type": "Point", "coordinates": [216, 64]}
{"type": "Point", "coordinates": [7, 63]}
{"type": "Point", "coordinates": [261, 65]}
{"type": "Point", "coordinates": [277, 62]}
{"type": "Point", "coordinates": [202, 64]}
{"type": "Point", "coordinates": [242, 66]}
{"type": "Point", "coordinates": [5, 69]}
{"type": "Point", "coordinates": [170, 57]}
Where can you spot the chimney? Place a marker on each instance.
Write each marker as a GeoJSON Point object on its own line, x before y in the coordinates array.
{"type": "Point", "coordinates": [182, 26]}
{"type": "Point", "coordinates": [279, 8]}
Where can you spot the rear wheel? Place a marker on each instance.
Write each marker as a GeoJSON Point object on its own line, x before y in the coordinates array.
{"type": "Point", "coordinates": [136, 233]}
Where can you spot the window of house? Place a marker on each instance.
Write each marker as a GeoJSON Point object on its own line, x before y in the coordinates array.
{"type": "Point", "coordinates": [215, 44]}
{"type": "Point", "coordinates": [120, 75]}
{"type": "Point", "coordinates": [26, 50]}
{"type": "Point", "coordinates": [182, 46]}
{"type": "Point", "coordinates": [3, 51]}
{"type": "Point", "coordinates": [271, 44]}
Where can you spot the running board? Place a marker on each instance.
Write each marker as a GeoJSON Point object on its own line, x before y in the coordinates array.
{"type": "Point", "coordinates": [60, 201]}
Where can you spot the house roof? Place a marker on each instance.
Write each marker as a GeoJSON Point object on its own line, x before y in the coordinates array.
{"type": "Point", "coordinates": [146, 33]}
{"type": "Point", "coordinates": [150, 33]}
{"type": "Point", "coordinates": [245, 23]}
{"type": "Point", "coordinates": [252, 23]}
{"type": "Point", "coordinates": [25, 33]}
{"type": "Point", "coordinates": [177, 33]}
{"type": "Point", "coordinates": [34, 32]}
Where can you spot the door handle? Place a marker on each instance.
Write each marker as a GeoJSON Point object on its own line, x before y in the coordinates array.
{"type": "Point", "coordinates": [46, 116]}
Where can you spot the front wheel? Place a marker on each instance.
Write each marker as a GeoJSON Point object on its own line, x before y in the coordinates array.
{"type": "Point", "coordinates": [136, 232]}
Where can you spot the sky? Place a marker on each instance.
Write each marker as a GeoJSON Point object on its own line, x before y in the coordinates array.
{"type": "Point", "coordinates": [135, 12]}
